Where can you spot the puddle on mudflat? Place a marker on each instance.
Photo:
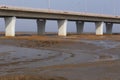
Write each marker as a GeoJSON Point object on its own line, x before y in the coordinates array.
{"type": "Point", "coordinates": [109, 50]}
{"type": "Point", "coordinates": [11, 54]}
{"type": "Point", "coordinates": [107, 44]}
{"type": "Point", "coordinates": [17, 59]}
{"type": "Point", "coordinates": [12, 58]}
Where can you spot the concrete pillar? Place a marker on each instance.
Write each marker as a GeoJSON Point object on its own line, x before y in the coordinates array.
{"type": "Point", "coordinates": [62, 27]}
{"type": "Point", "coordinates": [41, 26]}
{"type": "Point", "coordinates": [109, 28]}
{"type": "Point", "coordinates": [79, 26]}
{"type": "Point", "coordinates": [99, 28]}
{"type": "Point", "coordinates": [10, 26]}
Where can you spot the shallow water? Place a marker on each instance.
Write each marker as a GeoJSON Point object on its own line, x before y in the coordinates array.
{"type": "Point", "coordinates": [106, 44]}
{"type": "Point", "coordinates": [107, 49]}
{"type": "Point", "coordinates": [18, 59]}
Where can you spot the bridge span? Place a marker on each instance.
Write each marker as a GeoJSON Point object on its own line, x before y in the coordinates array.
{"type": "Point", "coordinates": [10, 14]}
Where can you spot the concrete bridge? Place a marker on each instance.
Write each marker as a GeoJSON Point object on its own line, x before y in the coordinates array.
{"type": "Point", "coordinates": [10, 14]}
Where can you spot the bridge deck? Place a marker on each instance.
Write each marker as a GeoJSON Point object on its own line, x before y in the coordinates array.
{"type": "Point", "coordinates": [50, 11]}
{"type": "Point", "coordinates": [21, 12]}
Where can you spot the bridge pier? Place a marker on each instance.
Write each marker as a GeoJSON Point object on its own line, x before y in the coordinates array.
{"type": "Point", "coordinates": [109, 28]}
{"type": "Point", "coordinates": [10, 26]}
{"type": "Point", "coordinates": [62, 27]}
{"type": "Point", "coordinates": [41, 26]}
{"type": "Point", "coordinates": [79, 26]}
{"type": "Point", "coordinates": [99, 28]}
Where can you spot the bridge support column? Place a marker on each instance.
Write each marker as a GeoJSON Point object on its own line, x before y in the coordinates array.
{"type": "Point", "coordinates": [62, 27]}
{"type": "Point", "coordinates": [79, 26]}
{"type": "Point", "coordinates": [109, 28]}
{"type": "Point", "coordinates": [41, 26]}
{"type": "Point", "coordinates": [99, 28]}
{"type": "Point", "coordinates": [10, 26]}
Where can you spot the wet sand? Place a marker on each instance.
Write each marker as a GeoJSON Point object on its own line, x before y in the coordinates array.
{"type": "Point", "coordinates": [49, 57]}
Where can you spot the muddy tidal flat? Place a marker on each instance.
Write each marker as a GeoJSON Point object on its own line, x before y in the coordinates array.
{"type": "Point", "coordinates": [49, 57]}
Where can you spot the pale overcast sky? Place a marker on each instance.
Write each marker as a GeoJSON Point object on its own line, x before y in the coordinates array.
{"type": "Point", "coordinates": [97, 6]}
{"type": "Point", "coordinates": [93, 6]}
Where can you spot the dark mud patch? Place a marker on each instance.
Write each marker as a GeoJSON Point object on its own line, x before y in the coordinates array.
{"type": "Point", "coordinates": [30, 77]}
{"type": "Point", "coordinates": [39, 42]}
{"type": "Point", "coordinates": [28, 43]}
